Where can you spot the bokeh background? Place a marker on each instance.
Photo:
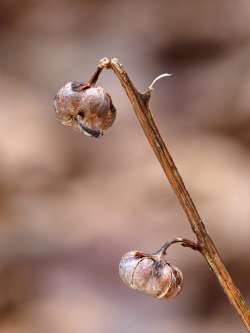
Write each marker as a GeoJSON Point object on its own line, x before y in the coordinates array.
{"type": "Point", "coordinates": [70, 205]}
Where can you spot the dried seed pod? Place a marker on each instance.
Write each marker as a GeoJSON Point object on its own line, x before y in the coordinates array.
{"type": "Point", "coordinates": [151, 274]}
{"type": "Point", "coordinates": [84, 107]}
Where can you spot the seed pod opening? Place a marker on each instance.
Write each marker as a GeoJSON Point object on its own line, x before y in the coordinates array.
{"type": "Point", "coordinates": [151, 274]}
{"type": "Point", "coordinates": [85, 108]}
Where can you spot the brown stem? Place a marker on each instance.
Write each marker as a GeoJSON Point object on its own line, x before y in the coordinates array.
{"type": "Point", "coordinates": [182, 241]}
{"type": "Point", "coordinates": [95, 76]}
{"type": "Point", "coordinates": [140, 104]}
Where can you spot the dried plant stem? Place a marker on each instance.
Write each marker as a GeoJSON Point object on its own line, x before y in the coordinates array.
{"type": "Point", "coordinates": [182, 241]}
{"type": "Point", "coordinates": [140, 104]}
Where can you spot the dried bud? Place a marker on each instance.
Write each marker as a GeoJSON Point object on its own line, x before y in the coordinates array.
{"type": "Point", "coordinates": [84, 107]}
{"type": "Point", "coordinates": [151, 274]}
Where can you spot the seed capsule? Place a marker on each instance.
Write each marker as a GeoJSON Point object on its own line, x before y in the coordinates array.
{"type": "Point", "coordinates": [151, 274]}
{"type": "Point", "coordinates": [84, 107]}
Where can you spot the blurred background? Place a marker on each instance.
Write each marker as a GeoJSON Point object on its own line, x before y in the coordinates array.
{"type": "Point", "coordinates": [71, 206]}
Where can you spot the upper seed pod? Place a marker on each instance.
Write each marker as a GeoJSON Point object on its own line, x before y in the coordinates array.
{"type": "Point", "coordinates": [84, 107]}
{"type": "Point", "coordinates": [151, 274]}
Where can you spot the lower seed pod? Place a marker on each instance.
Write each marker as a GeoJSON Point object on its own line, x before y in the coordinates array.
{"type": "Point", "coordinates": [151, 274]}
{"type": "Point", "coordinates": [84, 107]}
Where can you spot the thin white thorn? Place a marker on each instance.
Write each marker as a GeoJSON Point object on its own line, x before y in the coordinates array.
{"type": "Point", "coordinates": [151, 87]}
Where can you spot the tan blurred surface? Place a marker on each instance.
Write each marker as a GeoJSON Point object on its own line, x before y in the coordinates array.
{"type": "Point", "coordinates": [70, 205]}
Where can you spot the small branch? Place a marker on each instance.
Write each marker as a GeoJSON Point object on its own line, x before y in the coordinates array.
{"type": "Point", "coordinates": [95, 76]}
{"type": "Point", "coordinates": [151, 87]}
{"type": "Point", "coordinates": [140, 104]}
{"type": "Point", "coordinates": [182, 241]}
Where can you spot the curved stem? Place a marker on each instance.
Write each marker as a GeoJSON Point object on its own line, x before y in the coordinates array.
{"type": "Point", "coordinates": [140, 104]}
{"type": "Point", "coordinates": [183, 242]}
{"type": "Point", "coordinates": [95, 76]}
{"type": "Point", "coordinates": [159, 77]}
